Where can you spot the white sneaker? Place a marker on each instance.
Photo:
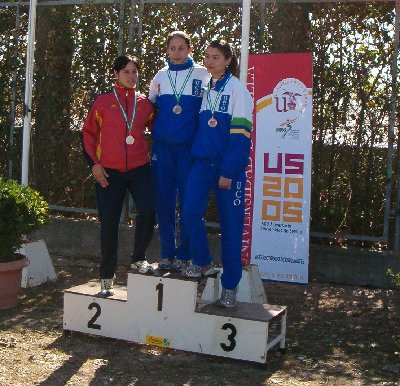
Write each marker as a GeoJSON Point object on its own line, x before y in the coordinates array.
{"type": "Point", "coordinates": [107, 286]}
{"type": "Point", "coordinates": [143, 266]}
{"type": "Point", "coordinates": [227, 299]}
{"type": "Point", "coordinates": [194, 270]}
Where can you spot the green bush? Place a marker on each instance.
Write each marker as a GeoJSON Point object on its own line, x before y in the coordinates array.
{"type": "Point", "coordinates": [22, 210]}
{"type": "Point", "coordinates": [395, 276]}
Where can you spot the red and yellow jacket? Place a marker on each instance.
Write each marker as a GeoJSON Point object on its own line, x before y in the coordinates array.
{"type": "Point", "coordinates": [105, 130]}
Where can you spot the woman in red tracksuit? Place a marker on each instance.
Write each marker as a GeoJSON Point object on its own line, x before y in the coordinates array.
{"type": "Point", "coordinates": [116, 149]}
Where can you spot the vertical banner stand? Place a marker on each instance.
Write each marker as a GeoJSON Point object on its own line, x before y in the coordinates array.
{"type": "Point", "coordinates": [168, 311]}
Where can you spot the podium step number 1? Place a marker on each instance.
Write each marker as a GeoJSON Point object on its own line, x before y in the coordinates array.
{"type": "Point", "coordinates": [166, 311]}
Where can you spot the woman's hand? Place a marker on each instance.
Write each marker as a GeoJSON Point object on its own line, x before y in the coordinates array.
{"type": "Point", "coordinates": [225, 183]}
{"type": "Point", "coordinates": [100, 175]}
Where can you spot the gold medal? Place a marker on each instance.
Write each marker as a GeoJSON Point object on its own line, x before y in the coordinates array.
{"type": "Point", "coordinates": [130, 140]}
{"type": "Point", "coordinates": [177, 109]}
{"type": "Point", "coordinates": [212, 122]}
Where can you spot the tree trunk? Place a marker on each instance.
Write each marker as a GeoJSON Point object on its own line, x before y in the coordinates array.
{"type": "Point", "coordinates": [51, 132]}
{"type": "Point", "coordinates": [290, 28]}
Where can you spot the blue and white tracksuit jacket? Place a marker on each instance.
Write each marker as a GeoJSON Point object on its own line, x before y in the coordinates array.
{"type": "Point", "coordinates": [218, 151]}
{"type": "Point", "coordinates": [173, 135]}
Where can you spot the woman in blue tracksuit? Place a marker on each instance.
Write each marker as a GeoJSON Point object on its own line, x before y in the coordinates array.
{"type": "Point", "coordinates": [176, 91]}
{"type": "Point", "coordinates": [221, 153]}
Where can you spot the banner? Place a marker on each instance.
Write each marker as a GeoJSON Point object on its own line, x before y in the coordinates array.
{"type": "Point", "coordinates": [278, 190]}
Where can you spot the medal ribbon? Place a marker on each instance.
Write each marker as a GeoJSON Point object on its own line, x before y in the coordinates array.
{"type": "Point", "coordinates": [176, 93]}
{"type": "Point", "coordinates": [214, 105]}
{"type": "Point", "coordinates": [129, 124]}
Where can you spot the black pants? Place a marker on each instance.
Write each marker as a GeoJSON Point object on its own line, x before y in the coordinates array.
{"type": "Point", "coordinates": [110, 200]}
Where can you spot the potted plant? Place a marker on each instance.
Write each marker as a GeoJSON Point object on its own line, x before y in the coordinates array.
{"type": "Point", "coordinates": [22, 210]}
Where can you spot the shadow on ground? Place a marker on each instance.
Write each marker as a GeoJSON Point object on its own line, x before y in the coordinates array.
{"type": "Point", "coordinates": [337, 335]}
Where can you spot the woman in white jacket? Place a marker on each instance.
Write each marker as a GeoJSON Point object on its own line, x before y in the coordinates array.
{"type": "Point", "coordinates": [176, 91]}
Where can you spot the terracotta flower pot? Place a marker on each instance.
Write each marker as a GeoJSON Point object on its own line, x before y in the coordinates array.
{"type": "Point", "coordinates": [10, 282]}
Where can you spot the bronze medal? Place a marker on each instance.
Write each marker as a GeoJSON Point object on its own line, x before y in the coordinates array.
{"type": "Point", "coordinates": [212, 122]}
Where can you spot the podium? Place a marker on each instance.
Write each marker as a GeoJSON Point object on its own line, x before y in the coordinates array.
{"type": "Point", "coordinates": [167, 311]}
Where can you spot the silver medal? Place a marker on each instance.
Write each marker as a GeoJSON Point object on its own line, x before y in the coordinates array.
{"type": "Point", "coordinates": [130, 140]}
{"type": "Point", "coordinates": [212, 122]}
{"type": "Point", "coordinates": [177, 109]}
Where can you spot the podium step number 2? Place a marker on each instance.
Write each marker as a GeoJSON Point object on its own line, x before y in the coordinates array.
{"type": "Point", "coordinates": [165, 311]}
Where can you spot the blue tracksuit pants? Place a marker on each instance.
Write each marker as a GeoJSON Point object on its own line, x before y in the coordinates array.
{"type": "Point", "coordinates": [110, 201]}
{"type": "Point", "coordinates": [203, 177]}
{"type": "Point", "coordinates": [171, 165]}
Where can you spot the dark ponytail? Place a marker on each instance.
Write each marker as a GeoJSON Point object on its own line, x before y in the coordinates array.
{"type": "Point", "coordinates": [229, 52]}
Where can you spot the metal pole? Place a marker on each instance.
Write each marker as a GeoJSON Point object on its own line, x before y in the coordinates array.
{"type": "Point", "coordinates": [261, 48]}
{"type": "Point", "coordinates": [140, 26]}
{"type": "Point", "coordinates": [131, 26]}
{"type": "Point", "coordinates": [392, 119]}
{"type": "Point", "coordinates": [28, 92]}
{"type": "Point", "coordinates": [244, 51]}
{"type": "Point", "coordinates": [13, 94]}
{"type": "Point", "coordinates": [121, 26]}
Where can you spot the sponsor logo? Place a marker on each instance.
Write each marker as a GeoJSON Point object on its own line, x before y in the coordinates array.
{"type": "Point", "coordinates": [290, 99]}
{"type": "Point", "coordinates": [158, 341]}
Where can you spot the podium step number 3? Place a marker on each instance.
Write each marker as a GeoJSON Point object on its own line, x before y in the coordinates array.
{"type": "Point", "coordinates": [165, 311]}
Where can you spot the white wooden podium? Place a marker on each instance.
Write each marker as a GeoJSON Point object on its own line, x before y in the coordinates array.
{"type": "Point", "coordinates": [166, 311]}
